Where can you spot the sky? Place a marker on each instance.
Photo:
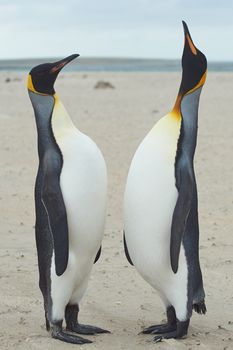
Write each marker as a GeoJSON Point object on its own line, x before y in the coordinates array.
{"type": "Point", "coordinates": [114, 28]}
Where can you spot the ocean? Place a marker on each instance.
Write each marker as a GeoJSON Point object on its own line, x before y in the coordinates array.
{"type": "Point", "coordinates": [112, 65]}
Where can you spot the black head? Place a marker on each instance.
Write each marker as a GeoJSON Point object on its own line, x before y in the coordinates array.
{"type": "Point", "coordinates": [194, 64]}
{"type": "Point", "coordinates": [41, 78]}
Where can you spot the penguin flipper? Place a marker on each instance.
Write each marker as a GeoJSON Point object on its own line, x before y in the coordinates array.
{"type": "Point", "coordinates": [53, 202]}
{"type": "Point", "coordinates": [185, 185]}
{"type": "Point", "coordinates": [98, 255]}
{"type": "Point", "coordinates": [126, 251]}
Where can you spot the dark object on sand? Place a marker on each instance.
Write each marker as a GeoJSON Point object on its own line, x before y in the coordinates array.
{"type": "Point", "coordinates": [103, 85]}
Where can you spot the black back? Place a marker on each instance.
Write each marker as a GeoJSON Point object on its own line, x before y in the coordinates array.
{"type": "Point", "coordinates": [194, 66]}
{"type": "Point", "coordinates": [48, 196]}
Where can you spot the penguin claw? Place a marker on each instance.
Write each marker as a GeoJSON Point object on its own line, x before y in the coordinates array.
{"type": "Point", "coordinates": [68, 338]}
{"type": "Point", "coordinates": [86, 329]}
{"type": "Point", "coordinates": [169, 335]}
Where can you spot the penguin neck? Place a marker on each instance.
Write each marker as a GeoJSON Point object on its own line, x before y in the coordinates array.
{"type": "Point", "coordinates": [189, 113]}
{"type": "Point", "coordinates": [181, 95]}
{"type": "Point", "coordinates": [43, 108]}
{"type": "Point", "coordinates": [61, 121]}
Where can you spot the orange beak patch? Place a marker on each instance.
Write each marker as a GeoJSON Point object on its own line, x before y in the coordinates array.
{"type": "Point", "coordinates": [58, 67]}
{"type": "Point", "coordinates": [192, 47]}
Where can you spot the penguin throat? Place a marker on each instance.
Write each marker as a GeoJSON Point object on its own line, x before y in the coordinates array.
{"type": "Point", "coordinates": [61, 121]}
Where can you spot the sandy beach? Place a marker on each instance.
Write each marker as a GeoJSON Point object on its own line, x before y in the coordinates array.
{"type": "Point", "coordinates": [117, 297]}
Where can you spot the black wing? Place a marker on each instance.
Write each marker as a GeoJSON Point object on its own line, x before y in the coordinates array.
{"type": "Point", "coordinates": [98, 255]}
{"type": "Point", "coordinates": [185, 185]}
{"type": "Point", "coordinates": [53, 202]}
{"type": "Point", "coordinates": [184, 172]}
{"type": "Point", "coordinates": [126, 251]}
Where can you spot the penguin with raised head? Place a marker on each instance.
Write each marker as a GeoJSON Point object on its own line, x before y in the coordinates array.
{"type": "Point", "coordinates": [70, 201]}
{"type": "Point", "coordinates": [161, 207]}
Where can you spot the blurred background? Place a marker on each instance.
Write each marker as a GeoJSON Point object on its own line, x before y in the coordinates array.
{"type": "Point", "coordinates": [132, 29]}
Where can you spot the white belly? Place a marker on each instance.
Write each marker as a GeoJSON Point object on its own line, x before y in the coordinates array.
{"type": "Point", "coordinates": [150, 199]}
{"type": "Point", "coordinates": [149, 202]}
{"type": "Point", "coordinates": [83, 182]}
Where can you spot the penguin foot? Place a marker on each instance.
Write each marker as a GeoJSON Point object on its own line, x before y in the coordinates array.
{"type": "Point", "coordinates": [68, 338]}
{"type": "Point", "coordinates": [160, 329]}
{"type": "Point", "coordinates": [72, 324]}
{"type": "Point", "coordinates": [167, 328]}
{"type": "Point", "coordinates": [169, 335]}
{"type": "Point", "coordinates": [57, 333]}
{"type": "Point", "coordinates": [180, 332]}
{"type": "Point", "coordinates": [85, 329]}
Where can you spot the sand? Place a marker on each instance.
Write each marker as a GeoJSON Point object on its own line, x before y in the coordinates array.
{"type": "Point", "coordinates": [117, 297]}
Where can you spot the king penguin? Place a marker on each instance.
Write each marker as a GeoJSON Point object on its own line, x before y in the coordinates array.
{"type": "Point", "coordinates": [161, 208]}
{"type": "Point", "coordinates": [70, 202]}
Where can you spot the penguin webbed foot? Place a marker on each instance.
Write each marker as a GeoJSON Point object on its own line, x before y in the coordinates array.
{"type": "Point", "coordinates": [85, 329]}
{"type": "Point", "coordinates": [72, 324]}
{"type": "Point", "coordinates": [69, 338]}
{"type": "Point", "coordinates": [160, 329]}
{"type": "Point", "coordinates": [168, 327]}
{"type": "Point", "coordinates": [58, 333]}
{"type": "Point", "coordinates": [180, 332]}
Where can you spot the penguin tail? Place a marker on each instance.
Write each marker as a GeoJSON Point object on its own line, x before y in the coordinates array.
{"type": "Point", "coordinates": [200, 307]}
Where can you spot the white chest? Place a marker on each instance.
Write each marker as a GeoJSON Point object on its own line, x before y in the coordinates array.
{"type": "Point", "coordinates": [150, 199]}
{"type": "Point", "coordinates": [83, 182]}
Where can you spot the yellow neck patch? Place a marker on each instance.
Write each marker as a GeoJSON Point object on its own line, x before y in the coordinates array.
{"type": "Point", "coordinates": [201, 83]}
{"type": "Point", "coordinates": [176, 109]}
{"type": "Point", "coordinates": [30, 85]}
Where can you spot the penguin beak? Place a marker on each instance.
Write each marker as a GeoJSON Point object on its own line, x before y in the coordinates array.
{"type": "Point", "coordinates": [188, 40]}
{"type": "Point", "coordinates": [57, 66]}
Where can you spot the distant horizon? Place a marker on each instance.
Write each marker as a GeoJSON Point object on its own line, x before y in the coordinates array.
{"type": "Point", "coordinates": [110, 58]}
{"type": "Point", "coordinates": [112, 64]}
